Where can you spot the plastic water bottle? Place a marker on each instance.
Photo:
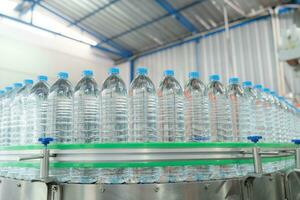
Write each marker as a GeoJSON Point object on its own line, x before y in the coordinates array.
{"type": "Point", "coordinates": [196, 121]}
{"type": "Point", "coordinates": [36, 123]}
{"type": "Point", "coordinates": [18, 119]}
{"type": "Point", "coordinates": [249, 108]}
{"type": "Point", "coordinates": [86, 121]}
{"type": "Point", "coordinates": [5, 135]}
{"type": "Point", "coordinates": [60, 118]}
{"type": "Point", "coordinates": [37, 106]}
{"type": "Point", "coordinates": [276, 117]}
{"type": "Point", "coordinates": [241, 108]}
{"type": "Point", "coordinates": [142, 121]}
{"type": "Point", "coordinates": [284, 120]}
{"type": "Point", "coordinates": [196, 110]}
{"type": "Point", "coordinates": [260, 120]}
{"type": "Point", "coordinates": [114, 121]}
{"type": "Point", "coordinates": [269, 116]}
{"type": "Point", "coordinates": [220, 123]}
{"type": "Point", "coordinates": [13, 107]}
{"type": "Point", "coordinates": [12, 171]}
{"type": "Point", "coordinates": [267, 103]}
{"type": "Point", "coordinates": [290, 124]}
{"type": "Point", "coordinates": [239, 118]}
{"type": "Point", "coordinates": [219, 110]}
{"type": "Point", "coordinates": [5, 117]}
{"type": "Point", "coordinates": [171, 120]}
{"type": "Point", "coordinates": [2, 96]}
{"type": "Point", "coordinates": [18, 110]}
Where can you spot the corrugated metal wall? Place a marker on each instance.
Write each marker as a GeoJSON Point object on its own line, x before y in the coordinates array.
{"type": "Point", "coordinates": [252, 50]}
{"type": "Point", "coordinates": [252, 54]}
{"type": "Point", "coordinates": [180, 58]}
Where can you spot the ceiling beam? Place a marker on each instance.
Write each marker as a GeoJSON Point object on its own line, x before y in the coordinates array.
{"type": "Point", "coordinates": [178, 16]}
{"type": "Point", "coordinates": [194, 3]}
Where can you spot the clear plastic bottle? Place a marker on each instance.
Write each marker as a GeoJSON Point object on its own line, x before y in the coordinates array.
{"type": "Point", "coordinates": [290, 132]}
{"type": "Point", "coordinates": [60, 118]}
{"type": "Point", "coordinates": [276, 117]}
{"type": "Point", "coordinates": [219, 110]}
{"type": "Point", "coordinates": [239, 116]}
{"type": "Point", "coordinates": [171, 120]}
{"type": "Point", "coordinates": [247, 127]}
{"type": "Point", "coordinates": [114, 121]}
{"type": "Point", "coordinates": [260, 121]}
{"type": "Point", "coordinates": [220, 123]}
{"type": "Point", "coordinates": [18, 120]}
{"type": "Point", "coordinates": [250, 97]}
{"type": "Point", "coordinates": [196, 121]}
{"type": "Point", "coordinates": [36, 123]}
{"type": "Point", "coordinates": [142, 121]}
{"type": "Point", "coordinates": [5, 137]}
{"type": "Point", "coordinates": [5, 123]}
{"type": "Point", "coordinates": [284, 120]}
{"type": "Point", "coordinates": [267, 103]}
{"type": "Point", "coordinates": [18, 110]}
{"type": "Point", "coordinates": [196, 110]}
{"type": "Point", "coordinates": [269, 117]}
{"type": "Point", "coordinates": [37, 106]}
{"type": "Point", "coordinates": [13, 171]}
{"type": "Point", "coordinates": [13, 107]}
{"type": "Point", "coordinates": [86, 122]}
{"type": "Point", "coordinates": [2, 96]}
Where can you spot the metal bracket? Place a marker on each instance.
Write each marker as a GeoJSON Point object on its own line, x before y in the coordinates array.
{"type": "Point", "coordinates": [44, 164]}
{"type": "Point", "coordinates": [56, 191]}
{"type": "Point", "coordinates": [257, 160]}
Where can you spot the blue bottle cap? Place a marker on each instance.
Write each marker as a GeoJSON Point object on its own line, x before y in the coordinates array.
{"type": "Point", "coordinates": [17, 85]}
{"type": "Point", "coordinates": [87, 72]}
{"type": "Point", "coordinates": [214, 77]}
{"type": "Point", "coordinates": [266, 90]}
{"type": "Point", "coordinates": [2, 91]}
{"type": "Point", "coordinates": [28, 81]}
{"type": "Point", "coordinates": [247, 84]}
{"type": "Point", "coordinates": [63, 75]}
{"type": "Point", "coordinates": [169, 72]}
{"type": "Point", "coordinates": [142, 71]}
{"type": "Point", "coordinates": [234, 80]}
{"type": "Point", "coordinates": [113, 70]}
{"type": "Point", "coordinates": [273, 93]}
{"type": "Point", "coordinates": [296, 141]}
{"type": "Point", "coordinates": [194, 74]}
{"type": "Point", "coordinates": [258, 86]}
{"type": "Point", "coordinates": [281, 98]}
{"type": "Point", "coordinates": [254, 138]}
{"type": "Point", "coordinates": [42, 78]}
{"type": "Point", "coordinates": [45, 140]}
{"type": "Point", "coordinates": [8, 88]}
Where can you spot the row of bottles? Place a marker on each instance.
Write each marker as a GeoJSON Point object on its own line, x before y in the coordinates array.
{"type": "Point", "coordinates": [197, 113]}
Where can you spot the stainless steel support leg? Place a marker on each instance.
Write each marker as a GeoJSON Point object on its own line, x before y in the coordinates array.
{"type": "Point", "coordinates": [44, 167]}
{"type": "Point", "coordinates": [297, 158]}
{"type": "Point", "coordinates": [257, 160]}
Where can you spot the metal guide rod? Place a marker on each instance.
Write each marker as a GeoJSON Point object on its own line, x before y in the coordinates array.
{"type": "Point", "coordinates": [44, 167]}
{"type": "Point", "coordinates": [257, 160]}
